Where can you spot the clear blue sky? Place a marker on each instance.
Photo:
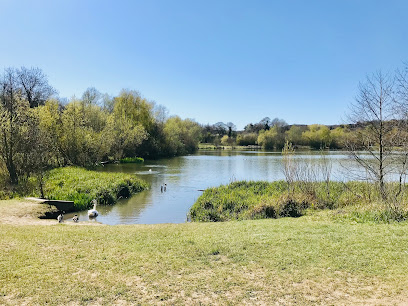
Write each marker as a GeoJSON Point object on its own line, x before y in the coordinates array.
{"type": "Point", "coordinates": [209, 60]}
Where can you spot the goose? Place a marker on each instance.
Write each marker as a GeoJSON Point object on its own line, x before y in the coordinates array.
{"type": "Point", "coordinates": [75, 218]}
{"type": "Point", "coordinates": [60, 217]}
{"type": "Point", "coordinates": [92, 213]}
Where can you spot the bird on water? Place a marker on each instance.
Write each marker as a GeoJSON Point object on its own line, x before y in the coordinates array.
{"type": "Point", "coordinates": [92, 213]}
{"type": "Point", "coordinates": [75, 218]}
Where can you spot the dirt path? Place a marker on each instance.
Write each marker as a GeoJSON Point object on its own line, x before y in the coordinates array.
{"type": "Point", "coordinates": [23, 212]}
{"type": "Point", "coordinates": [26, 212]}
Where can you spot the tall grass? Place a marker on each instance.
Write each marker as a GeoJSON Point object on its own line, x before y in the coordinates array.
{"type": "Point", "coordinates": [81, 186]}
{"type": "Point", "coordinates": [131, 160]}
{"type": "Point", "coordinates": [257, 200]}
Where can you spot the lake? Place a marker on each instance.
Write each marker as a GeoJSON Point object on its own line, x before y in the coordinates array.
{"type": "Point", "coordinates": [187, 176]}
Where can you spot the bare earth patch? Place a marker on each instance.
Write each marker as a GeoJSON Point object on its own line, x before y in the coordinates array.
{"type": "Point", "coordinates": [26, 212]}
{"type": "Point", "coordinates": [23, 212]}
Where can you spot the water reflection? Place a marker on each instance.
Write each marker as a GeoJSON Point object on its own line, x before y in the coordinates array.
{"type": "Point", "coordinates": [185, 176]}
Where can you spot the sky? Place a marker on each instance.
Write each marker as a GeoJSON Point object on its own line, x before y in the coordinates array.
{"type": "Point", "coordinates": [211, 61]}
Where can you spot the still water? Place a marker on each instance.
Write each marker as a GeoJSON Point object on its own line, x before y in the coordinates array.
{"type": "Point", "coordinates": [187, 176]}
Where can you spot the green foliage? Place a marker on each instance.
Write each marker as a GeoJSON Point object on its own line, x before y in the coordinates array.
{"type": "Point", "coordinates": [247, 139]}
{"type": "Point", "coordinates": [131, 160]}
{"type": "Point", "coordinates": [257, 200]}
{"type": "Point", "coordinates": [294, 135]}
{"type": "Point", "coordinates": [182, 136]}
{"type": "Point", "coordinates": [317, 136]}
{"type": "Point", "coordinates": [267, 138]}
{"type": "Point", "coordinates": [81, 186]}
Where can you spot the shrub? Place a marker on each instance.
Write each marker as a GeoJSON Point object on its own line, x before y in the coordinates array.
{"type": "Point", "coordinates": [82, 186]}
{"type": "Point", "coordinates": [132, 160]}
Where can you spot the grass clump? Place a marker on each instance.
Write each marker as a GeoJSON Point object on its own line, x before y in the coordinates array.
{"type": "Point", "coordinates": [132, 160]}
{"type": "Point", "coordinates": [81, 186]}
{"type": "Point", "coordinates": [261, 200]}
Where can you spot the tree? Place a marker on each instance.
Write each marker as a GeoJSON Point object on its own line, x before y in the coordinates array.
{"type": "Point", "coordinates": [231, 127]}
{"type": "Point", "coordinates": [247, 139]}
{"type": "Point", "coordinates": [182, 136]}
{"type": "Point", "coordinates": [279, 123]}
{"type": "Point", "coordinates": [267, 139]}
{"type": "Point", "coordinates": [34, 86]}
{"type": "Point", "coordinates": [375, 107]}
{"type": "Point", "coordinates": [294, 135]}
{"type": "Point", "coordinates": [317, 136]}
{"type": "Point", "coordinates": [266, 122]}
{"type": "Point", "coordinates": [13, 122]}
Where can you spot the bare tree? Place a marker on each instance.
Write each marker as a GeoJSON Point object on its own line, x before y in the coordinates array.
{"type": "Point", "coordinates": [376, 112]}
{"type": "Point", "coordinates": [34, 86]}
{"type": "Point", "coordinates": [231, 127]}
{"type": "Point", "coordinates": [91, 96]}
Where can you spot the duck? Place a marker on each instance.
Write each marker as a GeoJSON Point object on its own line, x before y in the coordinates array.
{"type": "Point", "coordinates": [92, 213]}
{"type": "Point", "coordinates": [60, 217]}
{"type": "Point", "coordinates": [75, 218]}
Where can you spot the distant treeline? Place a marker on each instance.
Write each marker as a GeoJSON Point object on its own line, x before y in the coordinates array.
{"type": "Point", "coordinates": [273, 134]}
{"type": "Point", "coordinates": [39, 131]}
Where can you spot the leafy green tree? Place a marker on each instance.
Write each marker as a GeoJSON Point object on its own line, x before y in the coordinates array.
{"type": "Point", "coordinates": [267, 139]}
{"type": "Point", "coordinates": [182, 136]}
{"type": "Point", "coordinates": [247, 139]}
{"type": "Point", "coordinates": [82, 140]}
{"type": "Point", "coordinates": [294, 135]}
{"type": "Point", "coordinates": [227, 140]}
{"type": "Point", "coordinates": [338, 137]}
{"type": "Point", "coordinates": [317, 136]}
{"type": "Point", "coordinates": [122, 137]}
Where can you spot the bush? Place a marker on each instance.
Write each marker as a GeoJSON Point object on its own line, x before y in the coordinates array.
{"type": "Point", "coordinates": [258, 200]}
{"type": "Point", "coordinates": [132, 160]}
{"type": "Point", "coordinates": [290, 205]}
{"type": "Point", "coordinates": [82, 186]}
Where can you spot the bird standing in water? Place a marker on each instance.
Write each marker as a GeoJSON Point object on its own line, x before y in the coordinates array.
{"type": "Point", "coordinates": [92, 213]}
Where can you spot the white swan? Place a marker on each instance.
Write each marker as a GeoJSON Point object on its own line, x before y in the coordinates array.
{"type": "Point", "coordinates": [92, 213]}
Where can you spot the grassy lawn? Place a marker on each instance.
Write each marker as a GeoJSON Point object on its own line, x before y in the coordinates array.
{"type": "Point", "coordinates": [313, 259]}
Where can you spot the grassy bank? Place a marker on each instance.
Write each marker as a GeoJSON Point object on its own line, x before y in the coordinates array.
{"type": "Point", "coordinates": [81, 186]}
{"type": "Point", "coordinates": [307, 260]}
{"type": "Point", "coordinates": [209, 146]}
{"type": "Point", "coordinates": [258, 200]}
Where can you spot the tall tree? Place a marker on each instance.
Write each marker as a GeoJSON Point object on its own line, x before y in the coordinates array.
{"type": "Point", "coordinates": [34, 86]}
{"type": "Point", "coordinates": [375, 107]}
{"type": "Point", "coordinates": [13, 123]}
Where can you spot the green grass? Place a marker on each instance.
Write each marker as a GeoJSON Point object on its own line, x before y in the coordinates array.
{"type": "Point", "coordinates": [131, 160]}
{"type": "Point", "coordinates": [81, 186]}
{"type": "Point", "coordinates": [307, 260]}
{"type": "Point", "coordinates": [258, 200]}
{"type": "Point", "coordinates": [208, 146]}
